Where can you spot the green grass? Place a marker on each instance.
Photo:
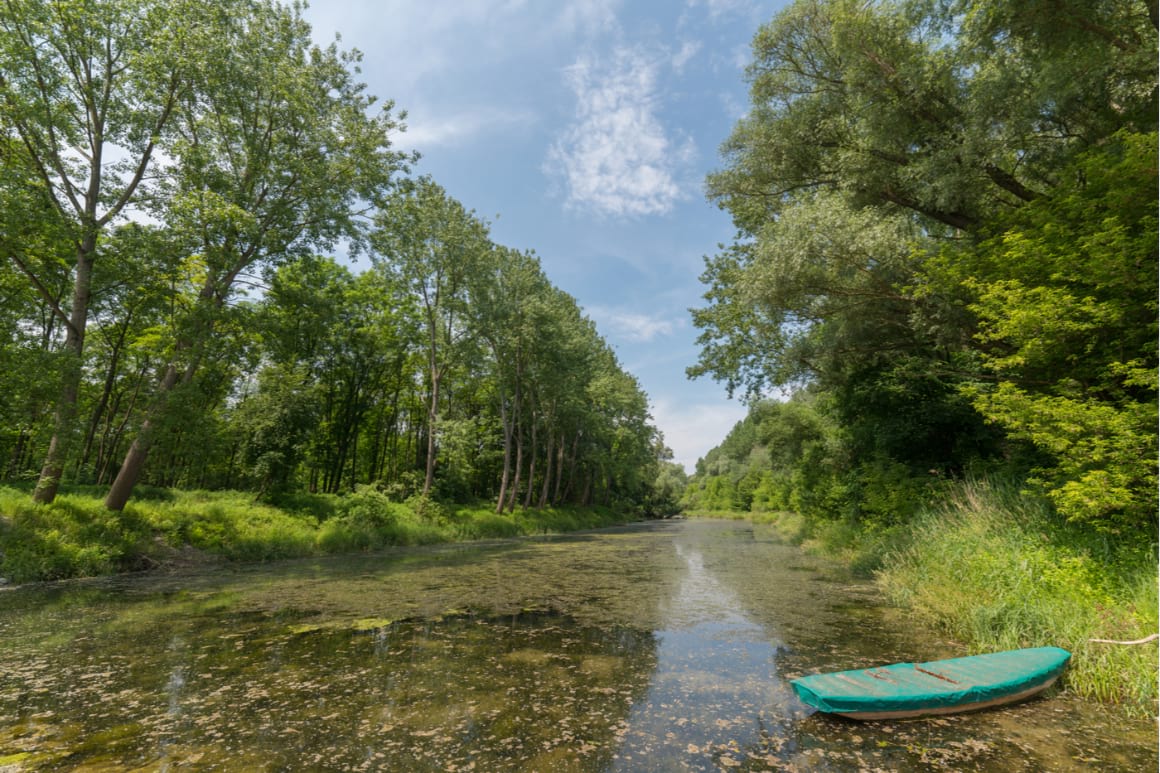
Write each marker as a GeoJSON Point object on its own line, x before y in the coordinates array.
{"type": "Point", "coordinates": [998, 570]}
{"type": "Point", "coordinates": [76, 536]}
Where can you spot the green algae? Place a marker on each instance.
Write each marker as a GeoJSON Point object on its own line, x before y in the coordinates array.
{"type": "Point", "coordinates": [666, 646]}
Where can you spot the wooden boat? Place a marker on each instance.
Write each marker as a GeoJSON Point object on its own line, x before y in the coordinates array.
{"type": "Point", "coordinates": [950, 686]}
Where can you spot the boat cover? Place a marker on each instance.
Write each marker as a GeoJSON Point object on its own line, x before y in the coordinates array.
{"type": "Point", "coordinates": [940, 683]}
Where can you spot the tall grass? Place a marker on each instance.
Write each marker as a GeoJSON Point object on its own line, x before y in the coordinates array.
{"type": "Point", "coordinates": [999, 570]}
{"type": "Point", "coordinates": [76, 536]}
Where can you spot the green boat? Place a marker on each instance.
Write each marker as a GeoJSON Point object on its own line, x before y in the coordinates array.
{"type": "Point", "coordinates": [906, 690]}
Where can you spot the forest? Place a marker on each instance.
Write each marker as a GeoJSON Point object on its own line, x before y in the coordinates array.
{"type": "Point", "coordinates": [947, 253]}
{"type": "Point", "coordinates": [941, 303]}
{"type": "Point", "coordinates": [185, 191]}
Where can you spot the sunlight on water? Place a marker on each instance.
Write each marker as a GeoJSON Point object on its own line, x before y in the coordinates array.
{"type": "Point", "coordinates": [714, 689]}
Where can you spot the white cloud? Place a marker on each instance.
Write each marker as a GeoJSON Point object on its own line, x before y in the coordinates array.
{"type": "Point", "coordinates": [425, 132]}
{"type": "Point", "coordinates": [716, 8]}
{"type": "Point", "coordinates": [631, 326]}
{"type": "Point", "coordinates": [419, 47]}
{"type": "Point", "coordinates": [691, 430]}
{"type": "Point", "coordinates": [689, 49]}
{"type": "Point", "coordinates": [588, 16]}
{"type": "Point", "coordinates": [616, 158]}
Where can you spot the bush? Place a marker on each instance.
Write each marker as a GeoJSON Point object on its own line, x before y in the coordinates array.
{"type": "Point", "coordinates": [479, 523]}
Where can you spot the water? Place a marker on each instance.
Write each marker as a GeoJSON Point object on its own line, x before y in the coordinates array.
{"type": "Point", "coordinates": [664, 647]}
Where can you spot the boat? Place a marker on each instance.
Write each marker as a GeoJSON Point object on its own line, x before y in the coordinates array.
{"type": "Point", "coordinates": [905, 690]}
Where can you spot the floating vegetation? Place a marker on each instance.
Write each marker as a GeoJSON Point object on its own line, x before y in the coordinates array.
{"type": "Point", "coordinates": [663, 648]}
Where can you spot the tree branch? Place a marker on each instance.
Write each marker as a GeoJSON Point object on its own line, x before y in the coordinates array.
{"type": "Point", "coordinates": [52, 302]}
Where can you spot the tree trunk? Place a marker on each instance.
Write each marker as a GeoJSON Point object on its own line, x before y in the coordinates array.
{"type": "Point", "coordinates": [432, 420]}
{"type": "Point", "coordinates": [134, 461]}
{"type": "Point", "coordinates": [506, 423]}
{"type": "Point", "coordinates": [355, 431]}
{"type": "Point", "coordinates": [106, 392]}
{"type": "Point", "coordinates": [547, 472]}
{"type": "Point", "coordinates": [572, 466]}
{"type": "Point", "coordinates": [111, 438]}
{"type": "Point", "coordinates": [559, 470]}
{"type": "Point", "coordinates": [74, 345]}
{"type": "Point", "coordinates": [531, 469]}
{"type": "Point", "coordinates": [519, 466]}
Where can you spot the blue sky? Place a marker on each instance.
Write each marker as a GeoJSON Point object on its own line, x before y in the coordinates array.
{"type": "Point", "coordinates": [581, 130]}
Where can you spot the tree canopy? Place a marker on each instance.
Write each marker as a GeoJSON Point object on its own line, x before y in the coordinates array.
{"type": "Point", "coordinates": [178, 181]}
{"type": "Point", "coordinates": [946, 218]}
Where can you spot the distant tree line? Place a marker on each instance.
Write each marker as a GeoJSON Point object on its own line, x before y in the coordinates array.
{"type": "Point", "coordinates": [173, 177]}
{"type": "Point", "coordinates": [947, 251]}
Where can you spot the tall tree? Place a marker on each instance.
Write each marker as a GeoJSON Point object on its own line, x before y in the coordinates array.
{"type": "Point", "coordinates": [506, 300]}
{"type": "Point", "coordinates": [433, 247]}
{"type": "Point", "coordinates": [890, 147]}
{"type": "Point", "coordinates": [950, 111]}
{"type": "Point", "coordinates": [275, 155]}
{"type": "Point", "coordinates": [89, 88]}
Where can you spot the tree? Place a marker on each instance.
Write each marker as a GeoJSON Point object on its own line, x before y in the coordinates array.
{"type": "Point", "coordinates": [905, 194]}
{"type": "Point", "coordinates": [88, 90]}
{"type": "Point", "coordinates": [507, 302]}
{"type": "Point", "coordinates": [1065, 298]}
{"type": "Point", "coordinates": [274, 425]}
{"type": "Point", "coordinates": [951, 112]}
{"type": "Point", "coordinates": [276, 154]}
{"type": "Point", "coordinates": [428, 243]}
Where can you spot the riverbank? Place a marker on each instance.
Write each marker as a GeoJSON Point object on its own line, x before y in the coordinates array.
{"type": "Point", "coordinates": [999, 570]}
{"type": "Point", "coordinates": [77, 537]}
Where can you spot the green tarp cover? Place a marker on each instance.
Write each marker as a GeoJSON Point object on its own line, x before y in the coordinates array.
{"type": "Point", "coordinates": [941, 683]}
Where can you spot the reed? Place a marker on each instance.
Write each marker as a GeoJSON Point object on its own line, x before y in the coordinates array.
{"type": "Point", "coordinates": [999, 570]}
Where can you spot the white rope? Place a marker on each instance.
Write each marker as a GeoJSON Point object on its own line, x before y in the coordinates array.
{"type": "Point", "coordinates": [1145, 640]}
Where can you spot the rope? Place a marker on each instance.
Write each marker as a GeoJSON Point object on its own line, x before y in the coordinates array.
{"type": "Point", "coordinates": [1145, 640]}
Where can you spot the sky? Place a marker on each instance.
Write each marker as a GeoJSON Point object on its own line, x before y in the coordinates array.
{"type": "Point", "coordinates": [582, 130]}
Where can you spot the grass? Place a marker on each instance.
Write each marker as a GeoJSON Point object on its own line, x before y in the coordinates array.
{"type": "Point", "coordinates": [998, 570]}
{"type": "Point", "coordinates": [76, 537]}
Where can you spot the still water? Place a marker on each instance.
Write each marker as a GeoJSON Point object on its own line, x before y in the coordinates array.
{"type": "Point", "coordinates": [659, 647]}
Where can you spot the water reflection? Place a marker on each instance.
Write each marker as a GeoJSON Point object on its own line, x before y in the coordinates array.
{"type": "Point", "coordinates": [664, 647]}
{"type": "Point", "coordinates": [715, 690]}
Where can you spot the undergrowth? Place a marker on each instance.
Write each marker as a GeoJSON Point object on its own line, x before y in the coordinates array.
{"type": "Point", "coordinates": [76, 536]}
{"type": "Point", "coordinates": [998, 569]}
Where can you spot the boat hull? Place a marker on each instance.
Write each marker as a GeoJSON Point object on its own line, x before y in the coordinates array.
{"type": "Point", "coordinates": [907, 690]}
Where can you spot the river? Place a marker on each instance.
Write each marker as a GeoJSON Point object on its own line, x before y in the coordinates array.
{"type": "Point", "coordinates": [657, 647]}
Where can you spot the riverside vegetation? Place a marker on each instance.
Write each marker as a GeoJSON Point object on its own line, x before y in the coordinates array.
{"type": "Point", "coordinates": [184, 325]}
{"type": "Point", "coordinates": [77, 536]}
{"type": "Point", "coordinates": [946, 264]}
{"type": "Point", "coordinates": [997, 570]}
